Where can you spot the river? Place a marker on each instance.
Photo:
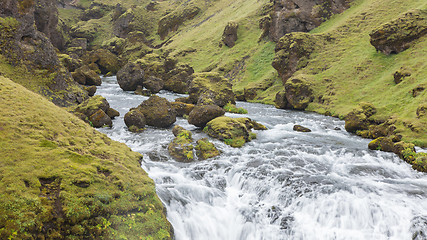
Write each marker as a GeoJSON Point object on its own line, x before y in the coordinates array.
{"type": "Point", "coordinates": [325, 184]}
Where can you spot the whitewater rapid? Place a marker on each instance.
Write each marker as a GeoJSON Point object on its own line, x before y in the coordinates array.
{"type": "Point", "coordinates": [325, 184]}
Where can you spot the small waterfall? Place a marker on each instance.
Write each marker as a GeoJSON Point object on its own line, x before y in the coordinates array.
{"type": "Point", "coordinates": [325, 184]}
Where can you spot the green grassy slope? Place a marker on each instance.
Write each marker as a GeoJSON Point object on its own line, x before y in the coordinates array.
{"type": "Point", "coordinates": [348, 70]}
{"type": "Point", "coordinates": [59, 176]}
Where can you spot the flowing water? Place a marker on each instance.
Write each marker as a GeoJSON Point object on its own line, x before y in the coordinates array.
{"type": "Point", "coordinates": [325, 184]}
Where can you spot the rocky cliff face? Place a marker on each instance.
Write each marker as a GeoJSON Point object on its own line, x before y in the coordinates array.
{"type": "Point", "coordinates": [22, 44]}
{"type": "Point", "coordinates": [301, 15]}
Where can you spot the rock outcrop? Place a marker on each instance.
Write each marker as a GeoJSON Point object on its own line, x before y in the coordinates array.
{"type": "Point", "coordinates": [210, 88]}
{"type": "Point", "coordinates": [288, 16]}
{"type": "Point", "coordinates": [21, 43]}
{"type": "Point", "coordinates": [359, 118]}
{"type": "Point", "coordinates": [229, 36]}
{"type": "Point", "coordinates": [155, 72]}
{"type": "Point", "coordinates": [397, 35]}
{"type": "Point", "coordinates": [297, 94]}
{"type": "Point", "coordinates": [293, 52]}
{"type": "Point", "coordinates": [201, 115]}
{"type": "Point", "coordinates": [173, 20]}
{"type": "Point", "coordinates": [96, 110]}
{"type": "Point", "coordinates": [85, 76]}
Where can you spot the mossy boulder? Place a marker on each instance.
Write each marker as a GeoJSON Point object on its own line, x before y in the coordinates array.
{"type": "Point", "coordinates": [201, 115]}
{"type": "Point", "coordinates": [135, 120]}
{"type": "Point", "coordinates": [130, 77]}
{"type": "Point", "coordinates": [86, 76]}
{"type": "Point", "coordinates": [96, 110]}
{"type": "Point", "coordinates": [178, 79]}
{"type": "Point", "coordinates": [397, 35]}
{"type": "Point", "coordinates": [211, 88]}
{"type": "Point", "coordinates": [229, 36]}
{"type": "Point", "coordinates": [158, 112]}
{"type": "Point", "coordinates": [182, 109]}
{"type": "Point", "coordinates": [358, 118]}
{"type": "Point", "coordinates": [206, 149]}
{"type": "Point", "coordinates": [70, 62]}
{"type": "Point", "coordinates": [300, 128]}
{"type": "Point", "coordinates": [173, 20]}
{"type": "Point", "coordinates": [280, 100]}
{"type": "Point", "coordinates": [154, 84]}
{"type": "Point", "coordinates": [181, 148]}
{"type": "Point", "coordinates": [104, 59]}
{"type": "Point", "coordinates": [122, 25]}
{"type": "Point", "coordinates": [92, 105]}
{"type": "Point", "coordinates": [384, 144]}
{"type": "Point", "coordinates": [100, 119]}
{"type": "Point", "coordinates": [233, 131]}
{"type": "Point", "coordinates": [293, 52]}
{"type": "Point", "coordinates": [298, 92]}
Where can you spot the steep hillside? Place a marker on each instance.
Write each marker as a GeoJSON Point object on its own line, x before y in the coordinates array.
{"type": "Point", "coordinates": [345, 69]}
{"type": "Point", "coordinates": [60, 177]}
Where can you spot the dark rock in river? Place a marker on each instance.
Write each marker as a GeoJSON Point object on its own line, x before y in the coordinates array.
{"type": "Point", "coordinates": [201, 115]}
{"type": "Point", "coordinates": [135, 120]}
{"type": "Point", "coordinates": [181, 148]}
{"type": "Point", "coordinates": [300, 128]}
{"type": "Point", "coordinates": [158, 112]}
{"type": "Point", "coordinates": [130, 77]}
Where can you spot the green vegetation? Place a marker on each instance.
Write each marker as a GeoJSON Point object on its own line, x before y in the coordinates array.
{"type": "Point", "coordinates": [60, 177]}
{"type": "Point", "coordinates": [233, 109]}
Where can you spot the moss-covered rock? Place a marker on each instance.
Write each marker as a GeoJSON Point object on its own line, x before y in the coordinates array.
{"type": "Point", "coordinates": [104, 59]}
{"type": "Point", "coordinates": [229, 36]}
{"type": "Point", "coordinates": [158, 112]}
{"type": "Point", "coordinates": [182, 109]}
{"type": "Point", "coordinates": [130, 77]}
{"type": "Point", "coordinates": [293, 52]}
{"type": "Point", "coordinates": [86, 76]}
{"type": "Point", "coordinates": [92, 105]}
{"type": "Point", "coordinates": [173, 20]}
{"type": "Point", "coordinates": [135, 120]}
{"type": "Point", "coordinates": [211, 88]}
{"type": "Point", "coordinates": [178, 79]}
{"type": "Point", "coordinates": [300, 128]}
{"type": "Point", "coordinates": [280, 100]}
{"type": "Point", "coordinates": [251, 91]}
{"type": "Point", "coordinates": [233, 131]}
{"type": "Point", "coordinates": [154, 84]}
{"type": "Point", "coordinates": [232, 108]}
{"type": "Point", "coordinates": [100, 119]}
{"type": "Point", "coordinates": [298, 15]}
{"type": "Point", "coordinates": [70, 62]}
{"type": "Point", "coordinates": [206, 149]}
{"type": "Point", "coordinates": [123, 24]}
{"type": "Point", "coordinates": [181, 148]}
{"type": "Point", "coordinates": [358, 118]}
{"type": "Point", "coordinates": [298, 92]}
{"type": "Point", "coordinates": [201, 115]}
{"type": "Point", "coordinates": [61, 178]}
{"type": "Point", "coordinates": [396, 36]}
